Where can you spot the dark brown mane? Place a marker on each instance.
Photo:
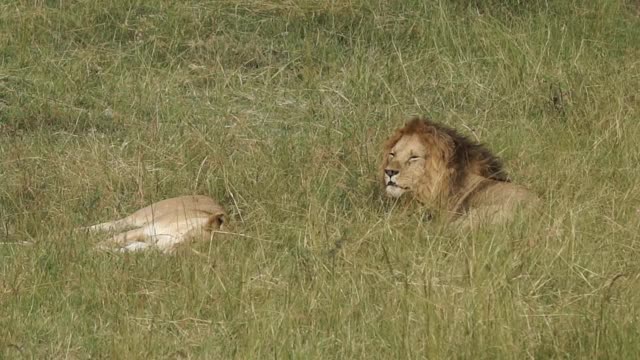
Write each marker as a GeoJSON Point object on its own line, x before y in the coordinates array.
{"type": "Point", "coordinates": [468, 154]}
{"type": "Point", "coordinates": [464, 155]}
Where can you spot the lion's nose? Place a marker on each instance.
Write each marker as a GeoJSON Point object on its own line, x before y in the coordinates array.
{"type": "Point", "coordinates": [390, 173]}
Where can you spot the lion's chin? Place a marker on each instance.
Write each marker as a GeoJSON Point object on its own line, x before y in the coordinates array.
{"type": "Point", "coordinates": [395, 191]}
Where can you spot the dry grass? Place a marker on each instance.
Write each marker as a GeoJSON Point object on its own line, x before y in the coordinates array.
{"type": "Point", "coordinates": [278, 109]}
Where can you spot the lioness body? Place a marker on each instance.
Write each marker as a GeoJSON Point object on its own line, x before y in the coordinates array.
{"type": "Point", "coordinates": [448, 173]}
{"type": "Point", "coordinates": [165, 225]}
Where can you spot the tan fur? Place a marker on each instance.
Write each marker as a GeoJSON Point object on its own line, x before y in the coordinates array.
{"type": "Point", "coordinates": [165, 225]}
{"type": "Point", "coordinates": [450, 174]}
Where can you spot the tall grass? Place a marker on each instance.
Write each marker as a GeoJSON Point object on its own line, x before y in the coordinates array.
{"type": "Point", "coordinates": [278, 109]}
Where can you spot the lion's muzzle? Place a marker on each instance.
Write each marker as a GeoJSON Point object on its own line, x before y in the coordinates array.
{"type": "Point", "coordinates": [391, 186]}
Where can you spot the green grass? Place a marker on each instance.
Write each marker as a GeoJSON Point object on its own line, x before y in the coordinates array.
{"type": "Point", "coordinates": [279, 109]}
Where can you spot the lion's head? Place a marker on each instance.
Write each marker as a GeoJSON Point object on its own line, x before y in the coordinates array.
{"type": "Point", "coordinates": [432, 161]}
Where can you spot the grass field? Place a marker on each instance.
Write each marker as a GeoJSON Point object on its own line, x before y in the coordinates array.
{"type": "Point", "coordinates": [279, 109]}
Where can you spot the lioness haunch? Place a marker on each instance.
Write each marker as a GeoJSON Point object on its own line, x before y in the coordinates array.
{"type": "Point", "coordinates": [164, 225]}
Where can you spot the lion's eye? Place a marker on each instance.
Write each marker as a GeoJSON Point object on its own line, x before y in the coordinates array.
{"type": "Point", "coordinates": [391, 155]}
{"type": "Point", "coordinates": [413, 158]}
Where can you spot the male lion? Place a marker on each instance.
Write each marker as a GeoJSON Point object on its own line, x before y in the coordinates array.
{"type": "Point", "coordinates": [165, 225]}
{"type": "Point", "coordinates": [449, 173]}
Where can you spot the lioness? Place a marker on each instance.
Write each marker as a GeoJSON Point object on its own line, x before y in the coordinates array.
{"type": "Point", "coordinates": [165, 225]}
{"type": "Point", "coordinates": [450, 174]}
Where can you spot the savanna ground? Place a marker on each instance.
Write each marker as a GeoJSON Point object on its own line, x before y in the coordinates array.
{"type": "Point", "coordinates": [278, 109]}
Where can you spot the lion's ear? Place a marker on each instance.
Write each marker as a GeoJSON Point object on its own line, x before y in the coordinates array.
{"type": "Point", "coordinates": [216, 221]}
